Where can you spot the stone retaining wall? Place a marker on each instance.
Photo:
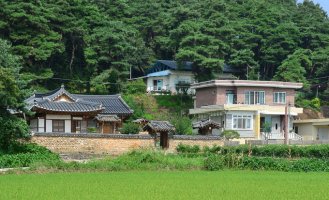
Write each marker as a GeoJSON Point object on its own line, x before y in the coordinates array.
{"type": "Point", "coordinates": [115, 144]}
{"type": "Point", "coordinates": [92, 143]}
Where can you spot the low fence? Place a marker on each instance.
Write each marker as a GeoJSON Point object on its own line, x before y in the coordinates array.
{"type": "Point", "coordinates": [116, 144]}
{"type": "Point", "coordinates": [291, 142]}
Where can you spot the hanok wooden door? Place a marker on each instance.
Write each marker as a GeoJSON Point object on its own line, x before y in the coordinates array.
{"type": "Point", "coordinates": [106, 128]}
{"type": "Point", "coordinates": [164, 142]}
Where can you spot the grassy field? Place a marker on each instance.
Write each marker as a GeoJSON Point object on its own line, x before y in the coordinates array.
{"type": "Point", "coordinates": [166, 185]}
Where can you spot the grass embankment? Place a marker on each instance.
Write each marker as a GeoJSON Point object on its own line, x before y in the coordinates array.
{"type": "Point", "coordinates": [166, 185]}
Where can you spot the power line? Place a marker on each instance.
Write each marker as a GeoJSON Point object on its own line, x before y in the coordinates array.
{"type": "Point", "coordinates": [81, 81]}
{"type": "Point", "coordinates": [318, 78]}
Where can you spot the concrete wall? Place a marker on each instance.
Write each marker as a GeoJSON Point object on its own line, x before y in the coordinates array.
{"type": "Point", "coordinates": [307, 130]}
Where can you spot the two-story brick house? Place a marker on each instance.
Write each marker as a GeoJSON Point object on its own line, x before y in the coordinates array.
{"type": "Point", "coordinates": [245, 105]}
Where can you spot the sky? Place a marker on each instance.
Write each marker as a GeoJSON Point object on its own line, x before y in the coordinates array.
{"type": "Point", "coordinates": [323, 3]}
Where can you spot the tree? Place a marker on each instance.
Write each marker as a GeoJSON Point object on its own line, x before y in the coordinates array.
{"type": "Point", "coordinates": [11, 98]}
{"type": "Point", "coordinates": [267, 130]}
{"type": "Point", "coordinates": [230, 134]}
{"type": "Point", "coordinates": [244, 59]}
{"type": "Point", "coordinates": [183, 125]}
{"type": "Point", "coordinates": [293, 69]}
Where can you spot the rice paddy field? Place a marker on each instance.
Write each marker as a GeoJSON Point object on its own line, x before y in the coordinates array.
{"type": "Point", "coordinates": [166, 185]}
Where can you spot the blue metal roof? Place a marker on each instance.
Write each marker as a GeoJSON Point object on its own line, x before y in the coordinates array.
{"type": "Point", "coordinates": [161, 65]}
{"type": "Point", "coordinates": [161, 73]}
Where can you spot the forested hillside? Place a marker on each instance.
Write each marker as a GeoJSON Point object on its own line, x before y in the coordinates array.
{"type": "Point", "coordinates": [90, 45]}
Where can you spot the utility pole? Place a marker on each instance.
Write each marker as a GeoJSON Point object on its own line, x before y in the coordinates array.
{"type": "Point", "coordinates": [317, 91]}
{"type": "Point", "coordinates": [286, 124]}
{"type": "Point", "coordinates": [130, 72]}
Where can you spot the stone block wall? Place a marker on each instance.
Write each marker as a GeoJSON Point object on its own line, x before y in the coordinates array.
{"type": "Point", "coordinates": [115, 144]}
{"type": "Point", "coordinates": [93, 144]}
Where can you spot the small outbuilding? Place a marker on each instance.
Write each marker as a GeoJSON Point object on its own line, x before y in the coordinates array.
{"type": "Point", "coordinates": [312, 129]}
{"type": "Point", "coordinates": [161, 127]}
{"type": "Point", "coordinates": [206, 126]}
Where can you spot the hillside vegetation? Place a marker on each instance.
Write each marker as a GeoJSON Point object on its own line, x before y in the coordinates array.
{"type": "Point", "coordinates": [91, 45]}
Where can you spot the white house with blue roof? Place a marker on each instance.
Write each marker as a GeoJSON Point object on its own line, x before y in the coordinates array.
{"type": "Point", "coordinates": [169, 76]}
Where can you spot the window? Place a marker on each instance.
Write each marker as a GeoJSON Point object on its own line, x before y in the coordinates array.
{"type": "Point", "coordinates": [58, 126]}
{"type": "Point", "coordinates": [230, 97]}
{"type": "Point", "coordinates": [157, 84]}
{"type": "Point", "coordinates": [254, 97]}
{"type": "Point", "coordinates": [242, 122]}
{"type": "Point", "coordinates": [279, 97]}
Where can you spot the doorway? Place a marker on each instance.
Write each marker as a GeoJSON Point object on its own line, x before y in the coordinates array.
{"type": "Point", "coordinates": [164, 142]}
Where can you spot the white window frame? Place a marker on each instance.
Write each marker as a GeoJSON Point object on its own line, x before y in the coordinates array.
{"type": "Point", "coordinates": [242, 117]}
{"type": "Point", "coordinates": [278, 101]}
{"type": "Point", "coordinates": [254, 97]}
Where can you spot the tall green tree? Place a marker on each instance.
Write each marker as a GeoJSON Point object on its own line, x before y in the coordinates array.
{"type": "Point", "coordinates": [11, 98]}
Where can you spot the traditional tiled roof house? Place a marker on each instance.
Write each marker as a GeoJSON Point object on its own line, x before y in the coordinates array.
{"type": "Point", "coordinates": [63, 112]}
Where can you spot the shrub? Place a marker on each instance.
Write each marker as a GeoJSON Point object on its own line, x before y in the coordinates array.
{"type": "Point", "coordinates": [24, 155]}
{"type": "Point", "coordinates": [135, 87]}
{"type": "Point", "coordinates": [183, 125]}
{"type": "Point", "coordinates": [214, 162]}
{"type": "Point", "coordinates": [230, 134]}
{"type": "Point", "coordinates": [130, 128]}
{"type": "Point", "coordinates": [181, 148]}
{"type": "Point", "coordinates": [91, 129]}
{"type": "Point", "coordinates": [214, 149]}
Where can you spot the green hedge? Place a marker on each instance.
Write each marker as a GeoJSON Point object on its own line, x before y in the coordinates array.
{"type": "Point", "coordinates": [25, 155]}
{"type": "Point", "coordinates": [279, 151]}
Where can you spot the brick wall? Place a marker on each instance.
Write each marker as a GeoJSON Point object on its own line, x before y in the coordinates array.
{"type": "Point", "coordinates": [206, 96]}
{"type": "Point", "coordinates": [217, 96]}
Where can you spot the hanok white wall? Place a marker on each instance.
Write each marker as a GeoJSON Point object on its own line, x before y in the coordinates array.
{"type": "Point", "coordinates": [67, 126]}
{"type": "Point", "coordinates": [49, 126]}
{"type": "Point", "coordinates": [41, 125]}
{"type": "Point", "coordinates": [51, 116]}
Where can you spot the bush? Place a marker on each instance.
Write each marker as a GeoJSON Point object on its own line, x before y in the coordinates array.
{"type": "Point", "coordinates": [214, 162]}
{"type": "Point", "coordinates": [28, 155]}
{"type": "Point", "coordinates": [130, 128]}
{"type": "Point", "coordinates": [91, 129]}
{"type": "Point", "coordinates": [183, 125]}
{"type": "Point", "coordinates": [181, 148]}
{"type": "Point", "coordinates": [134, 87]}
{"type": "Point", "coordinates": [230, 134]}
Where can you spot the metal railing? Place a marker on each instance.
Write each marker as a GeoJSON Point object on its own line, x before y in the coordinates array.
{"type": "Point", "coordinates": [280, 136]}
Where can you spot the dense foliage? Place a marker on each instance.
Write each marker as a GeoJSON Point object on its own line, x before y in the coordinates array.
{"type": "Point", "coordinates": [130, 128]}
{"type": "Point", "coordinates": [11, 98]}
{"type": "Point", "coordinates": [94, 45]}
{"type": "Point", "coordinates": [25, 155]}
